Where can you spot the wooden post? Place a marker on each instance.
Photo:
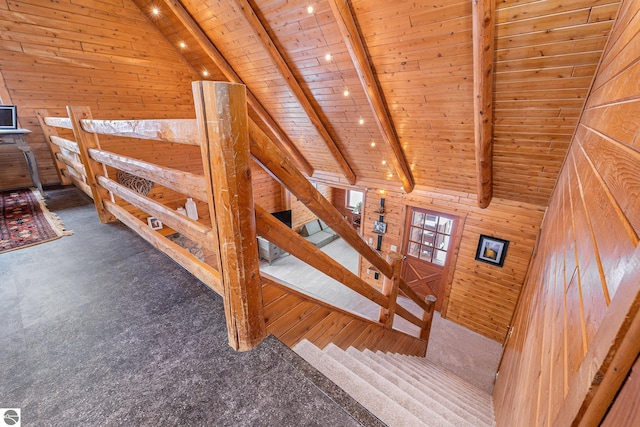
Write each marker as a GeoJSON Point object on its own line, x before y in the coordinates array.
{"type": "Point", "coordinates": [221, 111]}
{"type": "Point", "coordinates": [86, 141]}
{"type": "Point", "coordinates": [53, 148]}
{"type": "Point", "coordinates": [428, 317]}
{"type": "Point", "coordinates": [390, 286]}
{"type": "Point", "coordinates": [483, 52]}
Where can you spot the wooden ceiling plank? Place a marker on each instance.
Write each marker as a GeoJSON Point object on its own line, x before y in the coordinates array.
{"type": "Point", "coordinates": [483, 51]}
{"type": "Point", "coordinates": [355, 46]}
{"type": "Point", "coordinates": [212, 52]}
{"type": "Point", "coordinates": [295, 87]}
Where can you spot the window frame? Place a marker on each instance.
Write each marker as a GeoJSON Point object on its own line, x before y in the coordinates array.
{"type": "Point", "coordinates": [434, 233]}
{"type": "Point", "coordinates": [348, 198]}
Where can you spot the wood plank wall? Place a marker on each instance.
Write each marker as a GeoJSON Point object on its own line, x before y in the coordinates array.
{"type": "Point", "coordinates": [588, 252]}
{"type": "Point", "coordinates": [626, 410]}
{"type": "Point", "coordinates": [299, 212]}
{"type": "Point", "coordinates": [106, 55]}
{"type": "Point", "coordinates": [481, 297]}
{"type": "Point", "coordinates": [266, 190]}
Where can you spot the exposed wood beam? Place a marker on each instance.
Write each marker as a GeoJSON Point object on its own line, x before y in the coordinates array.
{"type": "Point", "coordinates": [295, 87]}
{"type": "Point", "coordinates": [352, 38]}
{"type": "Point", "coordinates": [282, 140]}
{"type": "Point", "coordinates": [483, 53]}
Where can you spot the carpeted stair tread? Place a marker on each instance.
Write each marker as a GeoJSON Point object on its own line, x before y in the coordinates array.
{"type": "Point", "coordinates": [433, 414]}
{"type": "Point", "coordinates": [391, 385]}
{"type": "Point", "coordinates": [386, 409]}
{"type": "Point", "coordinates": [457, 413]}
{"type": "Point", "coordinates": [449, 376]}
{"type": "Point", "coordinates": [433, 370]}
{"type": "Point", "coordinates": [429, 371]}
{"type": "Point", "coordinates": [474, 412]}
{"type": "Point", "coordinates": [457, 389]}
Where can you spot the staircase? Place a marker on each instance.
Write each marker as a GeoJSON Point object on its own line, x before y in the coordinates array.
{"type": "Point", "coordinates": [402, 390]}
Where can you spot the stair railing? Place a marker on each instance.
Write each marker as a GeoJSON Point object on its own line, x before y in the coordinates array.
{"type": "Point", "coordinates": [227, 138]}
{"type": "Point", "coordinates": [282, 169]}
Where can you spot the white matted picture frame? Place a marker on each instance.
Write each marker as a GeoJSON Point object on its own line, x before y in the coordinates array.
{"type": "Point", "coordinates": [154, 223]}
{"type": "Point", "coordinates": [492, 250]}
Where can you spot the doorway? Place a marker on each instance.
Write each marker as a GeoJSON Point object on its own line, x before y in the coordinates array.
{"type": "Point", "coordinates": [428, 247]}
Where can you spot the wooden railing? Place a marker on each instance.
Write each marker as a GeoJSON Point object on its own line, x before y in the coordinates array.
{"type": "Point", "coordinates": [65, 152]}
{"type": "Point", "coordinates": [227, 141]}
{"type": "Point", "coordinates": [271, 229]}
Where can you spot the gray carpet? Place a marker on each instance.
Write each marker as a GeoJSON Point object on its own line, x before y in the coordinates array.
{"type": "Point", "coordinates": [101, 329]}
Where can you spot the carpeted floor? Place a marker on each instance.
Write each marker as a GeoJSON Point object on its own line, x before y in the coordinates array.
{"type": "Point", "coordinates": [101, 329]}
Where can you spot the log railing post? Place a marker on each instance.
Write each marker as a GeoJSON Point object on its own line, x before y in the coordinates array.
{"type": "Point", "coordinates": [86, 141]}
{"type": "Point", "coordinates": [53, 148]}
{"type": "Point", "coordinates": [428, 317]}
{"type": "Point", "coordinates": [390, 286]}
{"type": "Point", "coordinates": [221, 110]}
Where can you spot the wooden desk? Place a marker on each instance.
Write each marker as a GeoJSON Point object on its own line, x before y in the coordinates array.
{"type": "Point", "coordinates": [17, 137]}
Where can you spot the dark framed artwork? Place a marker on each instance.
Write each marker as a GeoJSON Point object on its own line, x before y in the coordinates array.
{"type": "Point", "coordinates": [379, 227]}
{"type": "Point", "coordinates": [491, 250]}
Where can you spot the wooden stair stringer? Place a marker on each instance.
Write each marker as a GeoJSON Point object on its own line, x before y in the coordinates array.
{"type": "Point", "coordinates": [292, 316]}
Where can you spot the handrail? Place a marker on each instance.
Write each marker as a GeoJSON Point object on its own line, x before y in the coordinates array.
{"type": "Point", "coordinates": [282, 236]}
{"type": "Point", "coordinates": [282, 169]}
{"type": "Point", "coordinates": [79, 167]}
{"type": "Point", "coordinates": [65, 143]}
{"type": "Point", "coordinates": [183, 182]}
{"type": "Point", "coordinates": [59, 122]}
{"type": "Point", "coordinates": [180, 131]}
{"type": "Point", "coordinates": [290, 241]}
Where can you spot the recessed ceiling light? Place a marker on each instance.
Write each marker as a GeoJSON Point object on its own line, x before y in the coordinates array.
{"type": "Point", "coordinates": [155, 11]}
{"type": "Point", "coordinates": [205, 73]}
{"type": "Point", "coordinates": [373, 144]}
{"type": "Point", "coordinates": [328, 57]}
{"type": "Point", "coordinates": [346, 92]}
{"type": "Point", "coordinates": [183, 45]}
{"type": "Point", "coordinates": [384, 162]}
{"type": "Point", "coordinates": [361, 121]}
{"type": "Point", "coordinates": [310, 9]}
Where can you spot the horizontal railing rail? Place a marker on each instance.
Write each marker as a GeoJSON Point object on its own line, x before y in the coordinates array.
{"type": "Point", "coordinates": [179, 131]}
{"type": "Point", "coordinates": [183, 182]}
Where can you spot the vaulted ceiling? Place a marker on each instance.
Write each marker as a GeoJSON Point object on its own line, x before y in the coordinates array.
{"type": "Point", "coordinates": [297, 64]}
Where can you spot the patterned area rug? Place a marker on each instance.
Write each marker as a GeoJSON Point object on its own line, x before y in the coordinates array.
{"type": "Point", "coordinates": [26, 221]}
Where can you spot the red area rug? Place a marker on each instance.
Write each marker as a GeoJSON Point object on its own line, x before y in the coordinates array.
{"type": "Point", "coordinates": [26, 221]}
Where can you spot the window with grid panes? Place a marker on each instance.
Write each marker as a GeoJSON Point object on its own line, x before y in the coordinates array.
{"type": "Point", "coordinates": [429, 237]}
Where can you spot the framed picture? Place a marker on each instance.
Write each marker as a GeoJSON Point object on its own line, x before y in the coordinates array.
{"type": "Point", "coordinates": [154, 223]}
{"type": "Point", "coordinates": [379, 227]}
{"type": "Point", "coordinates": [491, 250]}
